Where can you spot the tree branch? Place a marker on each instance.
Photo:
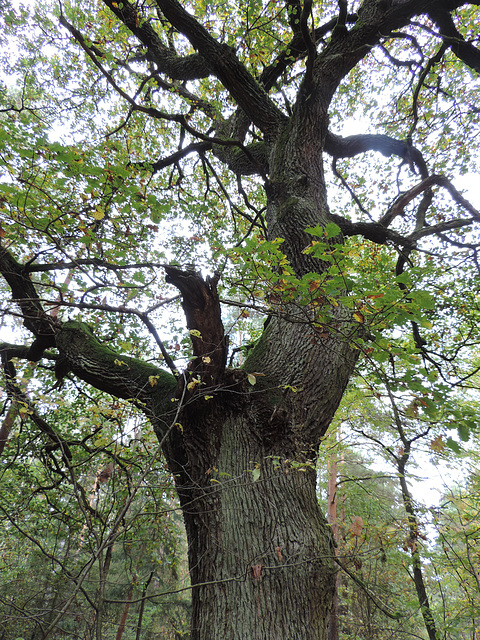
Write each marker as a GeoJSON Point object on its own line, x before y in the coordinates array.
{"type": "Point", "coordinates": [296, 50]}
{"type": "Point", "coordinates": [351, 146]}
{"type": "Point", "coordinates": [33, 267]}
{"type": "Point", "coordinates": [202, 310]}
{"type": "Point", "coordinates": [190, 67]}
{"type": "Point", "coordinates": [245, 90]}
{"type": "Point", "coordinates": [146, 385]}
{"type": "Point", "coordinates": [399, 205]}
{"type": "Point", "coordinates": [379, 232]}
{"type": "Point", "coordinates": [149, 111]}
{"type": "Point", "coordinates": [25, 295]}
{"type": "Point", "coordinates": [20, 398]}
{"type": "Point", "coordinates": [469, 54]}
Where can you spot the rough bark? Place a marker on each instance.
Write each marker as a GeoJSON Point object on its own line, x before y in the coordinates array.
{"type": "Point", "coordinates": [265, 568]}
{"type": "Point", "coordinates": [244, 461]}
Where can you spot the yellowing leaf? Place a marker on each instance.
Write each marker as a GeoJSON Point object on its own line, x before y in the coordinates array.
{"type": "Point", "coordinates": [98, 214]}
{"type": "Point", "coordinates": [437, 444]}
{"type": "Point", "coordinates": [153, 380]}
{"type": "Point", "coordinates": [252, 379]}
{"type": "Point", "coordinates": [193, 383]}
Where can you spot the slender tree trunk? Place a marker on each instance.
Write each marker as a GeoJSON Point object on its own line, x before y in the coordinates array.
{"type": "Point", "coordinates": [418, 581]}
{"type": "Point", "coordinates": [126, 609]}
{"type": "Point", "coordinates": [142, 607]}
{"type": "Point", "coordinates": [333, 624]}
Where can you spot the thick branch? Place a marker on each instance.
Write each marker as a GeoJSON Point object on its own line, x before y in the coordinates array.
{"type": "Point", "coordinates": [162, 163]}
{"type": "Point", "coordinates": [351, 146]}
{"type": "Point", "coordinates": [187, 68]}
{"type": "Point", "coordinates": [245, 90]}
{"type": "Point", "coordinates": [10, 351]}
{"type": "Point", "coordinates": [295, 50]}
{"type": "Point", "coordinates": [146, 385]}
{"type": "Point", "coordinates": [376, 19]}
{"type": "Point", "coordinates": [246, 161]}
{"type": "Point", "coordinates": [202, 310]}
{"type": "Point", "coordinates": [23, 292]}
{"type": "Point", "coordinates": [464, 50]}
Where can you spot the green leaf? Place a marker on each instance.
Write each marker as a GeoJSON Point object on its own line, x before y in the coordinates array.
{"type": "Point", "coordinates": [332, 230]}
{"type": "Point", "coordinates": [463, 432]}
{"type": "Point", "coordinates": [453, 445]}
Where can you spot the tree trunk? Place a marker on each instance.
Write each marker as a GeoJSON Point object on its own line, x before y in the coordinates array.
{"type": "Point", "coordinates": [260, 551]}
{"type": "Point", "coordinates": [333, 625]}
{"type": "Point", "coordinates": [259, 548]}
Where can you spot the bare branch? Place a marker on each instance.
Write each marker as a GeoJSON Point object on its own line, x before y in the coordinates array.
{"type": "Point", "coordinates": [431, 63]}
{"type": "Point", "coordinates": [33, 267]}
{"type": "Point", "coordinates": [150, 111]}
{"type": "Point", "coordinates": [399, 205]}
{"type": "Point", "coordinates": [351, 146]}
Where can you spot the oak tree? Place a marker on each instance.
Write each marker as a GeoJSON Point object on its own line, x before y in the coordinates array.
{"type": "Point", "coordinates": [161, 138]}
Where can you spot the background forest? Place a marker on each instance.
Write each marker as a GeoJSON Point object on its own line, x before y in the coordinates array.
{"type": "Point", "coordinates": [111, 171]}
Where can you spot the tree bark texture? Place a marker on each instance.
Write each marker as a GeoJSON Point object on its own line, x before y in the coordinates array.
{"type": "Point", "coordinates": [259, 547]}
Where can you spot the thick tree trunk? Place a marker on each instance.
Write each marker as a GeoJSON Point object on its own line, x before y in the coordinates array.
{"type": "Point", "coordinates": [260, 550]}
